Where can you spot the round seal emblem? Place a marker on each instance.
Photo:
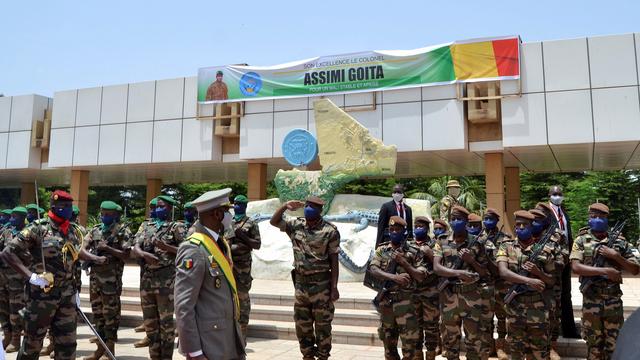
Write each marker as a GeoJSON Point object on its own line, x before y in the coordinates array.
{"type": "Point", "coordinates": [250, 84]}
{"type": "Point", "coordinates": [299, 147]}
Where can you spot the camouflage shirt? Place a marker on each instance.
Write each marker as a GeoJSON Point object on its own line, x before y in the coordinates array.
{"type": "Point", "coordinates": [491, 242]}
{"type": "Point", "coordinates": [446, 204]}
{"type": "Point", "coordinates": [172, 233]}
{"type": "Point", "coordinates": [515, 255]}
{"type": "Point", "coordinates": [6, 234]}
{"type": "Point", "coordinates": [311, 246]}
{"type": "Point", "coordinates": [447, 249]}
{"type": "Point", "coordinates": [384, 255]}
{"type": "Point", "coordinates": [585, 247]}
{"type": "Point", "coordinates": [242, 252]}
{"type": "Point", "coordinates": [431, 277]}
{"type": "Point", "coordinates": [60, 251]}
{"type": "Point", "coordinates": [116, 237]}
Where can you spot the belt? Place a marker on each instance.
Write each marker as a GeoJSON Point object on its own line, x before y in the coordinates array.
{"type": "Point", "coordinates": [321, 276]}
{"type": "Point", "coordinates": [528, 298]}
{"type": "Point", "coordinates": [400, 295]}
{"type": "Point", "coordinates": [462, 288]}
{"type": "Point", "coordinates": [608, 291]}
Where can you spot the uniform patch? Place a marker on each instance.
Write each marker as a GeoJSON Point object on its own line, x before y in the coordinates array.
{"type": "Point", "coordinates": [187, 264]}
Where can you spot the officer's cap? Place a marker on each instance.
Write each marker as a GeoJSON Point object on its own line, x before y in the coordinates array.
{"type": "Point", "coordinates": [212, 200]}
{"type": "Point", "coordinates": [492, 212]}
{"type": "Point", "coordinates": [397, 220]}
{"type": "Point", "coordinates": [599, 207]}
{"type": "Point", "coordinates": [19, 209]}
{"type": "Point", "coordinates": [109, 205]}
{"type": "Point", "coordinates": [240, 199]}
{"type": "Point", "coordinates": [168, 199]}
{"type": "Point", "coordinates": [315, 200]}
{"type": "Point", "coordinates": [524, 214]}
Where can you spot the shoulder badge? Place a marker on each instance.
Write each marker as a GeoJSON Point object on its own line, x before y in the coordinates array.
{"type": "Point", "coordinates": [187, 264]}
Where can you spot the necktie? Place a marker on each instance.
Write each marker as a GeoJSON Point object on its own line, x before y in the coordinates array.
{"type": "Point", "coordinates": [560, 218]}
{"type": "Point", "coordinates": [400, 210]}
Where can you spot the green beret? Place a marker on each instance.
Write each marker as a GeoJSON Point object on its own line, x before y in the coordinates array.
{"type": "Point", "coordinates": [9, 211]}
{"type": "Point", "coordinates": [189, 205]}
{"type": "Point", "coordinates": [240, 199]}
{"type": "Point", "coordinates": [168, 199]}
{"type": "Point", "coordinates": [76, 210]}
{"type": "Point", "coordinates": [34, 207]}
{"type": "Point", "coordinates": [108, 205]}
{"type": "Point", "coordinates": [20, 209]}
{"type": "Point", "coordinates": [153, 202]}
{"type": "Point", "coordinates": [119, 208]}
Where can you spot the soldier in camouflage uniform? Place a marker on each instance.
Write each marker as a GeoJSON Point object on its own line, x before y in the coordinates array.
{"type": "Point", "coordinates": [426, 296]}
{"type": "Point", "coordinates": [527, 313]}
{"type": "Point", "coordinates": [52, 292]}
{"type": "Point", "coordinates": [244, 238]}
{"type": "Point", "coordinates": [157, 246]}
{"type": "Point", "coordinates": [218, 89]}
{"type": "Point", "coordinates": [11, 286]}
{"type": "Point", "coordinates": [450, 200]}
{"type": "Point", "coordinates": [5, 216]}
{"type": "Point", "coordinates": [316, 244]}
{"type": "Point", "coordinates": [111, 240]}
{"type": "Point", "coordinates": [460, 302]}
{"type": "Point", "coordinates": [496, 288]}
{"type": "Point", "coordinates": [190, 215]}
{"type": "Point", "coordinates": [34, 212]}
{"type": "Point", "coordinates": [602, 311]}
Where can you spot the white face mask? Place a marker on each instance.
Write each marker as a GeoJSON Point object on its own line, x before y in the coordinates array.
{"type": "Point", "coordinates": [226, 221]}
{"type": "Point", "coordinates": [557, 199]}
{"type": "Point", "coordinates": [397, 197]}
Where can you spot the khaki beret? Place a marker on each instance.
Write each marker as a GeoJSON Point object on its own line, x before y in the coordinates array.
{"type": "Point", "coordinates": [474, 218]}
{"type": "Point", "coordinates": [315, 200]}
{"type": "Point", "coordinates": [441, 222]}
{"type": "Point", "coordinates": [423, 219]}
{"type": "Point", "coordinates": [460, 210]}
{"type": "Point", "coordinates": [599, 207]}
{"type": "Point", "coordinates": [524, 214]}
{"type": "Point", "coordinates": [397, 220]}
{"type": "Point", "coordinates": [538, 214]}
{"type": "Point", "coordinates": [492, 212]}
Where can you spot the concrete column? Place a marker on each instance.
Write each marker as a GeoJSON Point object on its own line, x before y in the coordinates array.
{"type": "Point", "coordinates": [80, 192]}
{"type": "Point", "coordinates": [154, 186]}
{"type": "Point", "coordinates": [512, 193]}
{"type": "Point", "coordinates": [27, 193]}
{"type": "Point", "coordinates": [257, 181]}
{"type": "Point", "coordinates": [494, 178]}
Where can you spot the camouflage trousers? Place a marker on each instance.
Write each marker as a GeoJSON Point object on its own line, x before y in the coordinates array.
{"type": "Point", "coordinates": [55, 311]}
{"type": "Point", "coordinates": [398, 319]}
{"type": "Point", "coordinates": [427, 309]}
{"type": "Point", "coordinates": [105, 304]}
{"type": "Point", "coordinates": [313, 314]}
{"type": "Point", "coordinates": [461, 306]}
{"type": "Point", "coordinates": [12, 299]}
{"type": "Point", "coordinates": [528, 327]}
{"type": "Point", "coordinates": [501, 289]}
{"type": "Point", "coordinates": [555, 309]}
{"type": "Point", "coordinates": [242, 273]}
{"type": "Point", "coordinates": [487, 305]}
{"type": "Point", "coordinates": [157, 311]}
{"type": "Point", "coordinates": [602, 318]}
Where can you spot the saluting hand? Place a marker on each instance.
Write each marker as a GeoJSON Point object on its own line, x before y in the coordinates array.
{"type": "Point", "coordinates": [293, 205]}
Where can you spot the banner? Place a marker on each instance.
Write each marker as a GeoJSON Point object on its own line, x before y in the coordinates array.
{"type": "Point", "coordinates": [460, 61]}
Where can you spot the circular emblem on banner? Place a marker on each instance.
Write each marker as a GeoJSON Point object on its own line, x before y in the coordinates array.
{"type": "Point", "coordinates": [299, 147]}
{"type": "Point", "coordinates": [250, 84]}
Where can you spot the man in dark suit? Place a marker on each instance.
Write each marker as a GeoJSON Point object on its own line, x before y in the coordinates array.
{"type": "Point", "coordinates": [564, 224]}
{"type": "Point", "coordinates": [395, 207]}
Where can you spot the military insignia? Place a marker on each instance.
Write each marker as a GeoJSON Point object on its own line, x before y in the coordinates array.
{"type": "Point", "coordinates": [214, 264]}
{"type": "Point", "coordinates": [218, 283]}
{"type": "Point", "coordinates": [187, 264]}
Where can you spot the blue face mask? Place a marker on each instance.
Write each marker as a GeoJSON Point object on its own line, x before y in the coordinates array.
{"type": "Point", "coordinates": [396, 238]}
{"type": "Point", "coordinates": [189, 216]}
{"type": "Point", "coordinates": [473, 230]}
{"type": "Point", "coordinates": [152, 213]}
{"type": "Point", "coordinates": [438, 232]}
{"type": "Point", "coordinates": [458, 226]}
{"type": "Point", "coordinates": [15, 221]}
{"type": "Point", "coordinates": [598, 224]}
{"type": "Point", "coordinates": [239, 209]}
{"type": "Point", "coordinates": [162, 213]}
{"type": "Point", "coordinates": [108, 219]}
{"type": "Point", "coordinates": [537, 227]}
{"type": "Point", "coordinates": [420, 233]}
{"type": "Point", "coordinates": [490, 224]}
{"type": "Point", "coordinates": [64, 212]}
{"type": "Point", "coordinates": [311, 213]}
{"type": "Point", "coordinates": [524, 234]}
{"type": "Point", "coordinates": [31, 217]}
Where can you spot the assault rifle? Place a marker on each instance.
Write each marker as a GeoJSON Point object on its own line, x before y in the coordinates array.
{"type": "Point", "coordinates": [457, 265]}
{"type": "Point", "coordinates": [517, 289]}
{"type": "Point", "coordinates": [87, 264]}
{"type": "Point", "coordinates": [388, 284]}
{"type": "Point", "coordinates": [599, 260]}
